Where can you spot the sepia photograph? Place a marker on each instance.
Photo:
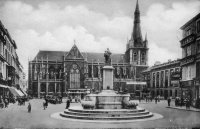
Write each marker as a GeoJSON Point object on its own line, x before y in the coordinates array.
{"type": "Point", "coordinates": [100, 64]}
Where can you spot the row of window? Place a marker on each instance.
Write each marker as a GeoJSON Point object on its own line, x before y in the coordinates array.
{"type": "Point", "coordinates": [189, 30]}
{"type": "Point", "coordinates": [161, 79]}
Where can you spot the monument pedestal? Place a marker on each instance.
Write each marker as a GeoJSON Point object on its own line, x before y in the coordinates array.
{"type": "Point", "coordinates": [108, 77]}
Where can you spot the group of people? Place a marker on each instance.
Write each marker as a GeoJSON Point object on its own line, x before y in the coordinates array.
{"type": "Point", "coordinates": [4, 102]}
{"type": "Point", "coordinates": [180, 102]}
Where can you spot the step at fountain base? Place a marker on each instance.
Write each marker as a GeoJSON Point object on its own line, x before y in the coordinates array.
{"type": "Point", "coordinates": [101, 114]}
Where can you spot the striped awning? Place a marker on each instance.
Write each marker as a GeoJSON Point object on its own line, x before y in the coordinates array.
{"type": "Point", "coordinates": [3, 86]}
{"type": "Point", "coordinates": [136, 83]}
{"type": "Point", "coordinates": [13, 91]}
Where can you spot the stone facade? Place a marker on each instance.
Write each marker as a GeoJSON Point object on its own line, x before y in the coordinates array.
{"type": "Point", "coordinates": [190, 61]}
{"type": "Point", "coordinates": [164, 79]}
{"type": "Point", "coordinates": [10, 67]}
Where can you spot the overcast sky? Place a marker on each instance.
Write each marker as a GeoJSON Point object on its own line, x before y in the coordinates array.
{"type": "Point", "coordinates": [95, 25]}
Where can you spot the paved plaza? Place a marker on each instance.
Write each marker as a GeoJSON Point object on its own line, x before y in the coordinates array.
{"type": "Point", "coordinates": [17, 117]}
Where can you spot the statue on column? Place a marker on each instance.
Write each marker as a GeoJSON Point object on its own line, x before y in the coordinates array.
{"type": "Point", "coordinates": [107, 57]}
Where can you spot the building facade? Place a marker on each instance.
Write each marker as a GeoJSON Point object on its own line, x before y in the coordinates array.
{"type": "Point", "coordinates": [77, 73]}
{"type": "Point", "coordinates": [9, 62]}
{"type": "Point", "coordinates": [164, 79]}
{"type": "Point", "coordinates": [190, 61]}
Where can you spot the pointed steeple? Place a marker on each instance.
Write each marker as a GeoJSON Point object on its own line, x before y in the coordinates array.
{"type": "Point", "coordinates": [137, 34]}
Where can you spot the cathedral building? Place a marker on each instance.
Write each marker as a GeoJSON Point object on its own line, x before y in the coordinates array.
{"type": "Point", "coordinates": [77, 73]}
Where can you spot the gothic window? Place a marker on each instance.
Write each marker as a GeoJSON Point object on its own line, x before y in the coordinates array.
{"type": "Point", "coordinates": [74, 77]}
{"type": "Point", "coordinates": [35, 72]}
{"type": "Point", "coordinates": [127, 72]}
{"type": "Point", "coordinates": [51, 72]}
{"type": "Point", "coordinates": [95, 67]}
{"type": "Point", "coordinates": [118, 71]}
{"type": "Point", "coordinates": [143, 58]}
{"type": "Point", "coordinates": [135, 57]}
{"type": "Point", "coordinates": [43, 87]}
{"type": "Point", "coordinates": [124, 72]}
{"type": "Point", "coordinates": [89, 71]}
{"type": "Point", "coordinates": [115, 72]}
{"type": "Point", "coordinates": [51, 87]}
{"type": "Point", "coordinates": [121, 71]}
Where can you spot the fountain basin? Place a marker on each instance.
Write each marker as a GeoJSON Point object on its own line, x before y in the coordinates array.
{"type": "Point", "coordinates": [108, 99]}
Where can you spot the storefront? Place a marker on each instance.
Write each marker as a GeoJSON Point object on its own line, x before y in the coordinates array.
{"type": "Point", "coordinates": [188, 89]}
{"type": "Point", "coordinates": [4, 90]}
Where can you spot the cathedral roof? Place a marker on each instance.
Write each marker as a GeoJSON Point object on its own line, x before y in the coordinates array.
{"type": "Point", "coordinates": [89, 56]}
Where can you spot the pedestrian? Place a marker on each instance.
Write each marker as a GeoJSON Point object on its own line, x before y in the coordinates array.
{"type": "Point", "coordinates": [156, 99]}
{"type": "Point", "coordinates": [169, 101]}
{"type": "Point", "coordinates": [29, 107]}
{"type": "Point", "coordinates": [67, 103]}
{"type": "Point", "coordinates": [187, 104]}
{"type": "Point", "coordinates": [44, 105]}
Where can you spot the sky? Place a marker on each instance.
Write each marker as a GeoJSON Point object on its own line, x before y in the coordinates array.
{"type": "Point", "coordinates": [95, 25]}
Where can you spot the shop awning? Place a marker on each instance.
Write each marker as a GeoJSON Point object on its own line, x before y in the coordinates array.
{"type": "Point", "coordinates": [23, 92]}
{"type": "Point", "coordinates": [19, 92]}
{"type": "Point", "coordinates": [13, 91]}
{"type": "Point", "coordinates": [3, 86]}
{"type": "Point", "coordinates": [136, 83]}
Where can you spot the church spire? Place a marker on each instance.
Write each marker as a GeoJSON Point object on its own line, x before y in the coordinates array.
{"type": "Point", "coordinates": [137, 35]}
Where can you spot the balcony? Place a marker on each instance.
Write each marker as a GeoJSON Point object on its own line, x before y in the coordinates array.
{"type": "Point", "coordinates": [187, 60]}
{"type": "Point", "coordinates": [188, 39]}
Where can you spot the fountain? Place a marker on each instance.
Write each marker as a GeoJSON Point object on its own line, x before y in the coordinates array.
{"type": "Point", "coordinates": [108, 105]}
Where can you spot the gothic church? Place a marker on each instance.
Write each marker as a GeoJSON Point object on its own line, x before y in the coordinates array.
{"type": "Point", "coordinates": [76, 74]}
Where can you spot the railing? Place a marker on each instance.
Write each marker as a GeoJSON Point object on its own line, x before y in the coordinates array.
{"type": "Point", "coordinates": [187, 40]}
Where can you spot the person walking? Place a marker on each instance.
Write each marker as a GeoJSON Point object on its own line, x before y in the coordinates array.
{"type": "Point", "coordinates": [156, 99]}
{"type": "Point", "coordinates": [169, 101]}
{"type": "Point", "coordinates": [67, 103]}
{"type": "Point", "coordinates": [29, 107]}
{"type": "Point", "coordinates": [187, 104]}
{"type": "Point", "coordinates": [44, 105]}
